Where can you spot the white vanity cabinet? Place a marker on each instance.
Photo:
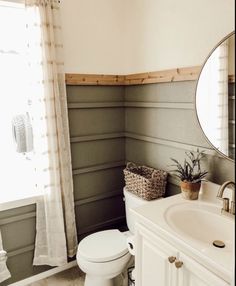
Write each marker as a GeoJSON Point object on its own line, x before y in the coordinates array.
{"type": "Point", "coordinates": [194, 274]}
{"type": "Point", "coordinates": [151, 260]}
{"type": "Point", "coordinates": [158, 263]}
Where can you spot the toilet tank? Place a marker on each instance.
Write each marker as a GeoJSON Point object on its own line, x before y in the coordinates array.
{"type": "Point", "coordinates": [131, 201]}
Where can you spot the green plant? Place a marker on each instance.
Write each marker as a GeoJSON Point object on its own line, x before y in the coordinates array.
{"type": "Point", "coordinates": [190, 171]}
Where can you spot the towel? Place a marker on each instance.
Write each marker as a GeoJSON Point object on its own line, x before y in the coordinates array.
{"type": "Point", "coordinates": [22, 133]}
{"type": "Point", "coordinates": [4, 272]}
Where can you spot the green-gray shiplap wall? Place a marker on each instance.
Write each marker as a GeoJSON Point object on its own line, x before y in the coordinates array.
{"type": "Point", "coordinates": [97, 125]}
{"type": "Point", "coordinates": [110, 125]}
{"type": "Point", "coordinates": [161, 123]}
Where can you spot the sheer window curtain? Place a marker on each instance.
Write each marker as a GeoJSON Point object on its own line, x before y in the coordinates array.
{"type": "Point", "coordinates": [56, 236]}
{"type": "Point", "coordinates": [212, 98]}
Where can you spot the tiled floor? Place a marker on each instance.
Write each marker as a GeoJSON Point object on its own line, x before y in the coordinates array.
{"type": "Point", "coordinates": [75, 277]}
{"type": "Point", "coordinates": [70, 277]}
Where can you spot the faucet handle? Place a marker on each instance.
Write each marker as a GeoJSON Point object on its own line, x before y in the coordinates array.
{"type": "Point", "coordinates": [232, 208]}
{"type": "Point", "coordinates": [226, 208]}
{"type": "Point", "coordinates": [225, 204]}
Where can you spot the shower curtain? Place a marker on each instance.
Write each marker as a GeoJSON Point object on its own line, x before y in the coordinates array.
{"type": "Point", "coordinates": [4, 272]}
{"type": "Point", "coordinates": [56, 236]}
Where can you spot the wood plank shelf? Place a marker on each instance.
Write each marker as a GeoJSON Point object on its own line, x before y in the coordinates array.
{"type": "Point", "coordinates": [171, 75]}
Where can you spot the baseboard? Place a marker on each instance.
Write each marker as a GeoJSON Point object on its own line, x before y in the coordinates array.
{"type": "Point", "coordinates": [44, 274]}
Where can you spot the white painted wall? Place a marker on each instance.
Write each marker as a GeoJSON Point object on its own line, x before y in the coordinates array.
{"type": "Point", "coordinates": [168, 33]}
{"type": "Point", "coordinates": [93, 36]}
{"type": "Point", "coordinates": [129, 36]}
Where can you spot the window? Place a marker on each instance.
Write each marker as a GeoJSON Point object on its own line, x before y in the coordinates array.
{"type": "Point", "coordinates": [16, 169]}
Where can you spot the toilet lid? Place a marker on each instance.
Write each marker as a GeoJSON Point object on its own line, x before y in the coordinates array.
{"type": "Point", "coordinates": [103, 246]}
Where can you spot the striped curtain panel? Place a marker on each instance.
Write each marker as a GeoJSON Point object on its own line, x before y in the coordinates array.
{"type": "Point", "coordinates": [56, 236]}
{"type": "Point", "coordinates": [4, 272]}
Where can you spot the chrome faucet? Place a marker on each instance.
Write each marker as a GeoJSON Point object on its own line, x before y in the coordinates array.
{"type": "Point", "coordinates": [226, 207]}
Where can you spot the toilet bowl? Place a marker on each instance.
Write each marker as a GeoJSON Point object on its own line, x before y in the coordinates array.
{"type": "Point", "coordinates": [104, 254]}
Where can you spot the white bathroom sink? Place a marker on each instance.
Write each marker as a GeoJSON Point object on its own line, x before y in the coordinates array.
{"type": "Point", "coordinates": [202, 223]}
{"type": "Point", "coordinates": [191, 226]}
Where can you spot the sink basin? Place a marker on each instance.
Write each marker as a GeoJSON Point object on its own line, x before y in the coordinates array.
{"type": "Point", "coordinates": [201, 223]}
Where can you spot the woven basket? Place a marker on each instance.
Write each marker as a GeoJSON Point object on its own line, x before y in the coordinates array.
{"type": "Point", "coordinates": [145, 182]}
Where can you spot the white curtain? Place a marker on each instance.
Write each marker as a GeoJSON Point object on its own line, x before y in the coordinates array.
{"type": "Point", "coordinates": [212, 98]}
{"type": "Point", "coordinates": [56, 237]}
{"type": "Point", "coordinates": [4, 272]}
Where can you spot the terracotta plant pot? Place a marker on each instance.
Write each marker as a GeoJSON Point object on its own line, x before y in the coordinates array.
{"type": "Point", "coordinates": [190, 190]}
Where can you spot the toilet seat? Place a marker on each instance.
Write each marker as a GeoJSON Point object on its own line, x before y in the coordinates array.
{"type": "Point", "coordinates": [103, 246]}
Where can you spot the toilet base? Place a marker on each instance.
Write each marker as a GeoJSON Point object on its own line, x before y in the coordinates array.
{"type": "Point", "coordinates": [97, 281]}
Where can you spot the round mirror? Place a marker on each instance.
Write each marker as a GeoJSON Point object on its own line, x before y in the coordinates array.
{"type": "Point", "coordinates": [215, 97]}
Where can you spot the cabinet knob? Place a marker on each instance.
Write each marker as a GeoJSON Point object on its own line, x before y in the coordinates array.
{"type": "Point", "coordinates": [171, 259]}
{"type": "Point", "coordinates": [178, 264]}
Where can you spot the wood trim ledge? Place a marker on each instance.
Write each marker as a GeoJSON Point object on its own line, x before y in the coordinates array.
{"type": "Point", "coordinates": [94, 79]}
{"type": "Point", "coordinates": [171, 75]}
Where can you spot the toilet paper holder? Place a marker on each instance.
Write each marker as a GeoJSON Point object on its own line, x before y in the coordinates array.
{"type": "Point", "coordinates": [131, 245]}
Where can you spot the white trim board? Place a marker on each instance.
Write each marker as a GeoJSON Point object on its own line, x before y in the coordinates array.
{"type": "Point", "coordinates": [170, 143]}
{"type": "Point", "coordinates": [95, 137]}
{"type": "Point", "coordinates": [86, 105]}
{"type": "Point", "coordinates": [44, 274]}
{"type": "Point", "coordinates": [164, 105]}
{"type": "Point", "coordinates": [18, 217]}
{"type": "Point", "coordinates": [98, 226]}
{"type": "Point", "coordinates": [99, 167]}
{"type": "Point", "coordinates": [21, 250]}
{"type": "Point", "coordinates": [140, 104]}
{"type": "Point", "coordinates": [28, 199]}
{"type": "Point", "coordinates": [103, 196]}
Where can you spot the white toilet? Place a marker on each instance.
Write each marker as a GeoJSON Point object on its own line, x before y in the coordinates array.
{"type": "Point", "coordinates": [104, 254]}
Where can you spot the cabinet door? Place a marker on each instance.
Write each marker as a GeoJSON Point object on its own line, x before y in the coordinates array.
{"type": "Point", "coordinates": [194, 274]}
{"type": "Point", "coordinates": [152, 265]}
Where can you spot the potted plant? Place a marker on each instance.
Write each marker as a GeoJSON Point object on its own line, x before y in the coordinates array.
{"type": "Point", "coordinates": [190, 174]}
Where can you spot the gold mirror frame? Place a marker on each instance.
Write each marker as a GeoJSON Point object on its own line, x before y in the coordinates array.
{"type": "Point", "coordinates": [206, 137]}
